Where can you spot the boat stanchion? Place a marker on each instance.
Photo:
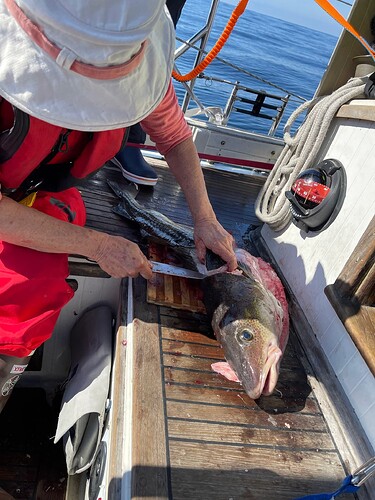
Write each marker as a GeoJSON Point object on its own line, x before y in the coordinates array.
{"type": "Point", "coordinates": [350, 484]}
{"type": "Point", "coordinates": [364, 472]}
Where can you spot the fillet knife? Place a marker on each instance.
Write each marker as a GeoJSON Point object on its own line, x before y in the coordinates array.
{"type": "Point", "coordinates": [162, 268]}
{"type": "Point", "coordinates": [172, 270]}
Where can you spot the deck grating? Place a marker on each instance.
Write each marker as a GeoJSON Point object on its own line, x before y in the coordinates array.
{"type": "Point", "coordinates": [168, 198]}
{"type": "Point", "coordinates": [222, 444]}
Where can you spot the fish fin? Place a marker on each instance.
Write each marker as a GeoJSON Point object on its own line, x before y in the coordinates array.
{"type": "Point", "coordinates": [224, 369]}
{"type": "Point", "coordinates": [120, 209]}
{"type": "Point", "coordinates": [123, 191]}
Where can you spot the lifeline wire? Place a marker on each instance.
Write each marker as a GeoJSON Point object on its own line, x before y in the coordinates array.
{"type": "Point", "coordinates": [271, 206]}
{"type": "Point", "coordinates": [241, 70]}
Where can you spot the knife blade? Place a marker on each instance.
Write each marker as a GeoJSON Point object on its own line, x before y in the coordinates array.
{"type": "Point", "coordinates": [170, 269]}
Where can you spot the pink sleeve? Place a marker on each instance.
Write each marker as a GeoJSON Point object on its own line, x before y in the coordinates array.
{"type": "Point", "coordinates": [166, 125]}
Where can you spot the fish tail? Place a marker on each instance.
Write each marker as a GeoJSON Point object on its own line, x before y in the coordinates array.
{"type": "Point", "coordinates": [128, 207]}
{"type": "Point", "coordinates": [126, 193]}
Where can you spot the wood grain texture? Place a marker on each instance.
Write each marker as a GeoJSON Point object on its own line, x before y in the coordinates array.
{"type": "Point", "coordinates": [238, 472]}
{"type": "Point", "coordinates": [352, 296]}
{"type": "Point", "coordinates": [172, 291]}
{"type": "Point", "coordinates": [149, 447]}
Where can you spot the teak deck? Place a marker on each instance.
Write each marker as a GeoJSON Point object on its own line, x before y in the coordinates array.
{"type": "Point", "coordinates": [194, 434]}
{"type": "Point", "coordinates": [199, 436]}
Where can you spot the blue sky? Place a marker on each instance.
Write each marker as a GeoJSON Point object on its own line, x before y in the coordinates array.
{"type": "Point", "coordinates": [304, 12]}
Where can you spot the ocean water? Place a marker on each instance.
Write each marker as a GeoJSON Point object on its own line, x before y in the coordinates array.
{"type": "Point", "coordinates": [290, 56]}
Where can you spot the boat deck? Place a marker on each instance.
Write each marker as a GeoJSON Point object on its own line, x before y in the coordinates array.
{"type": "Point", "coordinates": [194, 434]}
{"type": "Point", "coordinates": [199, 436]}
{"type": "Point", "coordinates": [232, 196]}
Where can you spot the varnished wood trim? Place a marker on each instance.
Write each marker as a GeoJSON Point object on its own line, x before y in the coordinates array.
{"type": "Point", "coordinates": [149, 454]}
{"type": "Point", "coordinates": [149, 473]}
{"type": "Point", "coordinates": [357, 112]}
{"type": "Point", "coordinates": [366, 290]}
{"type": "Point", "coordinates": [352, 296]}
{"type": "Point", "coordinates": [90, 270]}
{"type": "Point", "coordinates": [358, 321]}
{"type": "Point", "coordinates": [118, 401]}
{"type": "Point", "coordinates": [359, 265]}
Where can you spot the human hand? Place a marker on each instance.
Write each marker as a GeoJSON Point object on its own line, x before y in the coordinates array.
{"type": "Point", "coordinates": [121, 258]}
{"type": "Point", "coordinates": [209, 233]}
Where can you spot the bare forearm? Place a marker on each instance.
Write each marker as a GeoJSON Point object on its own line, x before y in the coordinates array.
{"type": "Point", "coordinates": [30, 228]}
{"type": "Point", "coordinates": [184, 162]}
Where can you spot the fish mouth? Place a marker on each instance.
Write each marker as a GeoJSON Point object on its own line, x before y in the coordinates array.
{"type": "Point", "coordinates": [269, 374]}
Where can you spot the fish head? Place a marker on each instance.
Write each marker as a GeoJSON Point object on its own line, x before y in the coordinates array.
{"type": "Point", "coordinates": [250, 337]}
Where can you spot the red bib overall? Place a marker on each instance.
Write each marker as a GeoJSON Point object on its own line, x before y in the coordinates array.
{"type": "Point", "coordinates": [33, 286]}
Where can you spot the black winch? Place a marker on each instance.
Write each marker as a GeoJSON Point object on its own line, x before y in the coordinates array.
{"type": "Point", "coordinates": [317, 195]}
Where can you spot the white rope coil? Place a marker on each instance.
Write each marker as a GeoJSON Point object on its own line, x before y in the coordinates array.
{"type": "Point", "coordinates": [272, 206]}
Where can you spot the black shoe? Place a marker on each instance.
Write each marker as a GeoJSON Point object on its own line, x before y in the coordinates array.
{"type": "Point", "coordinates": [134, 167]}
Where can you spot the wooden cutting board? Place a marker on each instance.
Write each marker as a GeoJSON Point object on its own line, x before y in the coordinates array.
{"type": "Point", "coordinates": [173, 291]}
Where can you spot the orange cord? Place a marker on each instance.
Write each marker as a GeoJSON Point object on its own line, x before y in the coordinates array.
{"type": "Point", "coordinates": [335, 14]}
{"type": "Point", "coordinates": [237, 12]}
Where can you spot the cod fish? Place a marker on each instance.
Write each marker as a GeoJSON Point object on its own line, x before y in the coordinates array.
{"type": "Point", "coordinates": [247, 307]}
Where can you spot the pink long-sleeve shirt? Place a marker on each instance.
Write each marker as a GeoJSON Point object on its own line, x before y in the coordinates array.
{"type": "Point", "coordinates": [166, 125]}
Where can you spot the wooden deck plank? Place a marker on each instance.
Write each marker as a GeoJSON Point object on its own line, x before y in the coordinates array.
{"type": "Point", "coordinates": [118, 396]}
{"type": "Point", "coordinates": [213, 352]}
{"type": "Point", "coordinates": [194, 346]}
{"type": "Point", "coordinates": [247, 435]}
{"type": "Point", "coordinates": [195, 362]}
{"type": "Point", "coordinates": [188, 336]}
{"type": "Point", "coordinates": [187, 362]}
{"type": "Point", "coordinates": [192, 377]}
{"type": "Point", "coordinates": [245, 416]}
{"type": "Point", "coordinates": [290, 358]}
{"type": "Point", "coordinates": [235, 472]}
{"type": "Point", "coordinates": [323, 465]}
{"type": "Point", "coordinates": [287, 389]}
{"type": "Point", "coordinates": [224, 397]}
{"type": "Point", "coordinates": [117, 438]}
{"type": "Point", "coordinates": [149, 445]}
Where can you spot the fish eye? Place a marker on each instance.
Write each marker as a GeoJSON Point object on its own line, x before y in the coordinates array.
{"type": "Point", "coordinates": [246, 336]}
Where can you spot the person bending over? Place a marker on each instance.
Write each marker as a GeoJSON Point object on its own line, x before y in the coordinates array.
{"type": "Point", "coordinates": [73, 78]}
